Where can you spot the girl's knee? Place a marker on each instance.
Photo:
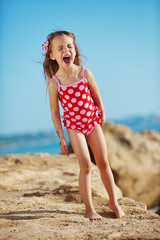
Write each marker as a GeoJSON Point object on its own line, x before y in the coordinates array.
{"type": "Point", "coordinates": [103, 164]}
{"type": "Point", "coordinates": [86, 168]}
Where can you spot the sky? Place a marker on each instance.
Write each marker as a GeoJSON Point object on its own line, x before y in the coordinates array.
{"type": "Point", "coordinates": [120, 40]}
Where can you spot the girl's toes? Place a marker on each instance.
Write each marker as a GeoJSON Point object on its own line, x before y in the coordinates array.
{"type": "Point", "coordinates": [93, 216]}
{"type": "Point", "coordinates": [94, 219]}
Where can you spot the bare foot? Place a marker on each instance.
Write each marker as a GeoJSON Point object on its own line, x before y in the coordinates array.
{"type": "Point", "coordinates": [93, 216]}
{"type": "Point", "coordinates": [117, 210]}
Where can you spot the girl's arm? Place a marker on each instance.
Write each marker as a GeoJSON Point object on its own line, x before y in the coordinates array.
{"type": "Point", "coordinates": [55, 114]}
{"type": "Point", "coordinates": [95, 93]}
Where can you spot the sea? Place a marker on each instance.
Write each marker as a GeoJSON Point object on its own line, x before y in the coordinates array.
{"type": "Point", "coordinates": [47, 141]}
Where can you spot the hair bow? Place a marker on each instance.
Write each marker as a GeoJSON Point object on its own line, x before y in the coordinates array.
{"type": "Point", "coordinates": [45, 45]}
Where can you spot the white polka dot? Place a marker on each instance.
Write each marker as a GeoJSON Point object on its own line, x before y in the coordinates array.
{"type": "Point", "coordinates": [84, 120]}
{"type": "Point", "coordinates": [84, 131]}
{"type": "Point", "coordinates": [82, 111]}
{"type": "Point", "coordinates": [70, 91]}
{"type": "Point", "coordinates": [62, 104]}
{"type": "Point", "coordinates": [64, 100]}
{"type": "Point", "coordinates": [73, 119]}
{"type": "Point", "coordinates": [86, 105]}
{"type": "Point", "coordinates": [74, 85]}
{"type": "Point", "coordinates": [66, 96]}
{"type": "Point", "coordinates": [90, 126]}
{"type": "Point", "coordinates": [76, 109]}
{"type": "Point", "coordinates": [88, 114]}
{"type": "Point", "coordinates": [86, 89]}
{"type": "Point", "coordinates": [91, 100]}
{"type": "Point", "coordinates": [90, 107]}
{"type": "Point", "coordinates": [82, 126]}
{"type": "Point", "coordinates": [73, 100]}
{"type": "Point", "coordinates": [67, 116]}
{"type": "Point", "coordinates": [89, 120]}
{"type": "Point", "coordinates": [73, 126]}
{"type": "Point", "coordinates": [77, 94]}
{"type": "Point", "coordinates": [95, 123]}
{"type": "Point", "coordinates": [79, 123]}
{"type": "Point", "coordinates": [69, 105]}
{"type": "Point", "coordinates": [84, 96]}
{"type": "Point", "coordinates": [93, 108]}
{"type": "Point", "coordinates": [64, 88]}
{"type": "Point", "coordinates": [66, 108]}
{"type": "Point", "coordinates": [92, 113]}
{"type": "Point", "coordinates": [88, 98]}
{"type": "Point", "coordinates": [80, 103]}
{"type": "Point", "coordinates": [61, 92]}
{"type": "Point", "coordinates": [78, 117]}
{"type": "Point", "coordinates": [81, 87]}
{"type": "Point", "coordinates": [72, 113]}
{"type": "Point", "coordinates": [68, 123]}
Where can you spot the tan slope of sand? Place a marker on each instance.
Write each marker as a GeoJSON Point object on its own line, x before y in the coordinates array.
{"type": "Point", "coordinates": [39, 199]}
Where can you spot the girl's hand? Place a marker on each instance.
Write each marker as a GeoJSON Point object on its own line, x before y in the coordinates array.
{"type": "Point", "coordinates": [63, 146]}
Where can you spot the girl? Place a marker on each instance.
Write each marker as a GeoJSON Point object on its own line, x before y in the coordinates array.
{"type": "Point", "coordinates": [78, 93]}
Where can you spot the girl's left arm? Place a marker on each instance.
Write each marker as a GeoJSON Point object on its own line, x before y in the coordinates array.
{"type": "Point", "coordinates": [95, 93]}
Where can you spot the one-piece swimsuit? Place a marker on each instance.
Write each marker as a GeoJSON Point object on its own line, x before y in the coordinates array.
{"type": "Point", "coordinates": [80, 111]}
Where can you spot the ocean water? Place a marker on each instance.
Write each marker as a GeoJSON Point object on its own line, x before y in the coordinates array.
{"type": "Point", "coordinates": [48, 142]}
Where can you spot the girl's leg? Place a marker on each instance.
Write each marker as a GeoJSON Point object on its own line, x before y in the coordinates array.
{"type": "Point", "coordinates": [80, 148]}
{"type": "Point", "coordinates": [97, 143]}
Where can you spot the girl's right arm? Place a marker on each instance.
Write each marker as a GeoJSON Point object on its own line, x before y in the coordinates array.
{"type": "Point", "coordinates": [55, 114]}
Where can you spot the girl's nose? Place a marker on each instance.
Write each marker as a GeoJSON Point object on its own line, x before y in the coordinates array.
{"type": "Point", "coordinates": [66, 48]}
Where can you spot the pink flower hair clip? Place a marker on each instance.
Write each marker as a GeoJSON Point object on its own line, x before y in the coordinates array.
{"type": "Point", "coordinates": [45, 45]}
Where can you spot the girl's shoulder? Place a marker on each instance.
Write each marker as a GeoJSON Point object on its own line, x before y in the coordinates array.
{"type": "Point", "coordinates": [87, 72]}
{"type": "Point", "coordinates": [52, 83]}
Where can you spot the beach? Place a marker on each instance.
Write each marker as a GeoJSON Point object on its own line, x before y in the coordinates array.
{"type": "Point", "coordinates": [40, 200]}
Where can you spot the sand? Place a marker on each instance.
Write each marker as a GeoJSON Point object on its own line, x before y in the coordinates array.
{"type": "Point", "coordinates": [39, 199]}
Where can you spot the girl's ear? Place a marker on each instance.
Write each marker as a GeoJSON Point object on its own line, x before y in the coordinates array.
{"type": "Point", "coordinates": [52, 56]}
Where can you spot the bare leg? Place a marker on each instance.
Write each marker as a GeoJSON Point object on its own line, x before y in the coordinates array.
{"type": "Point", "coordinates": [80, 148]}
{"type": "Point", "coordinates": [99, 149]}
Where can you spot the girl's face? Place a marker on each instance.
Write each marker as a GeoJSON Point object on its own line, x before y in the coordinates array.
{"type": "Point", "coordinates": [63, 50]}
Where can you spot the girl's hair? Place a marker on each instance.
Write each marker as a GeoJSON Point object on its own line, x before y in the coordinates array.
{"type": "Point", "coordinates": [50, 66]}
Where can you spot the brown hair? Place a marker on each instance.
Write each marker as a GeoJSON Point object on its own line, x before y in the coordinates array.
{"type": "Point", "coordinates": [50, 66]}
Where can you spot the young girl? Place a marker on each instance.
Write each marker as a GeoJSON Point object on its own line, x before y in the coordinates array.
{"type": "Point", "coordinates": [75, 87]}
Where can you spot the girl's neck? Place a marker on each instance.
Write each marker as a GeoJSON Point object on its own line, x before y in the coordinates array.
{"type": "Point", "coordinates": [70, 71]}
{"type": "Point", "coordinates": [69, 77]}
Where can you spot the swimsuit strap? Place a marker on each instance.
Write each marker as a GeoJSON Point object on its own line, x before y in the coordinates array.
{"type": "Point", "coordinates": [57, 81]}
{"type": "Point", "coordinates": [83, 72]}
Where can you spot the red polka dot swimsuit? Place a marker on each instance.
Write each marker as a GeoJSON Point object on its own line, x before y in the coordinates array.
{"type": "Point", "coordinates": [80, 111]}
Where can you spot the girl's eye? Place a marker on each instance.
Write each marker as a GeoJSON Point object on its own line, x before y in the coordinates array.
{"type": "Point", "coordinates": [60, 48]}
{"type": "Point", "coordinates": [70, 46]}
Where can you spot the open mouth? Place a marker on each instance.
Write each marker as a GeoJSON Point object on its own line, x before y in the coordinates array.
{"type": "Point", "coordinates": [67, 59]}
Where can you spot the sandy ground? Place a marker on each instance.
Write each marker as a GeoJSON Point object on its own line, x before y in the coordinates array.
{"type": "Point", "coordinates": [39, 199]}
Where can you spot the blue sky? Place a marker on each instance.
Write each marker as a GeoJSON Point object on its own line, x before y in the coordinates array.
{"type": "Point", "coordinates": [120, 39]}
